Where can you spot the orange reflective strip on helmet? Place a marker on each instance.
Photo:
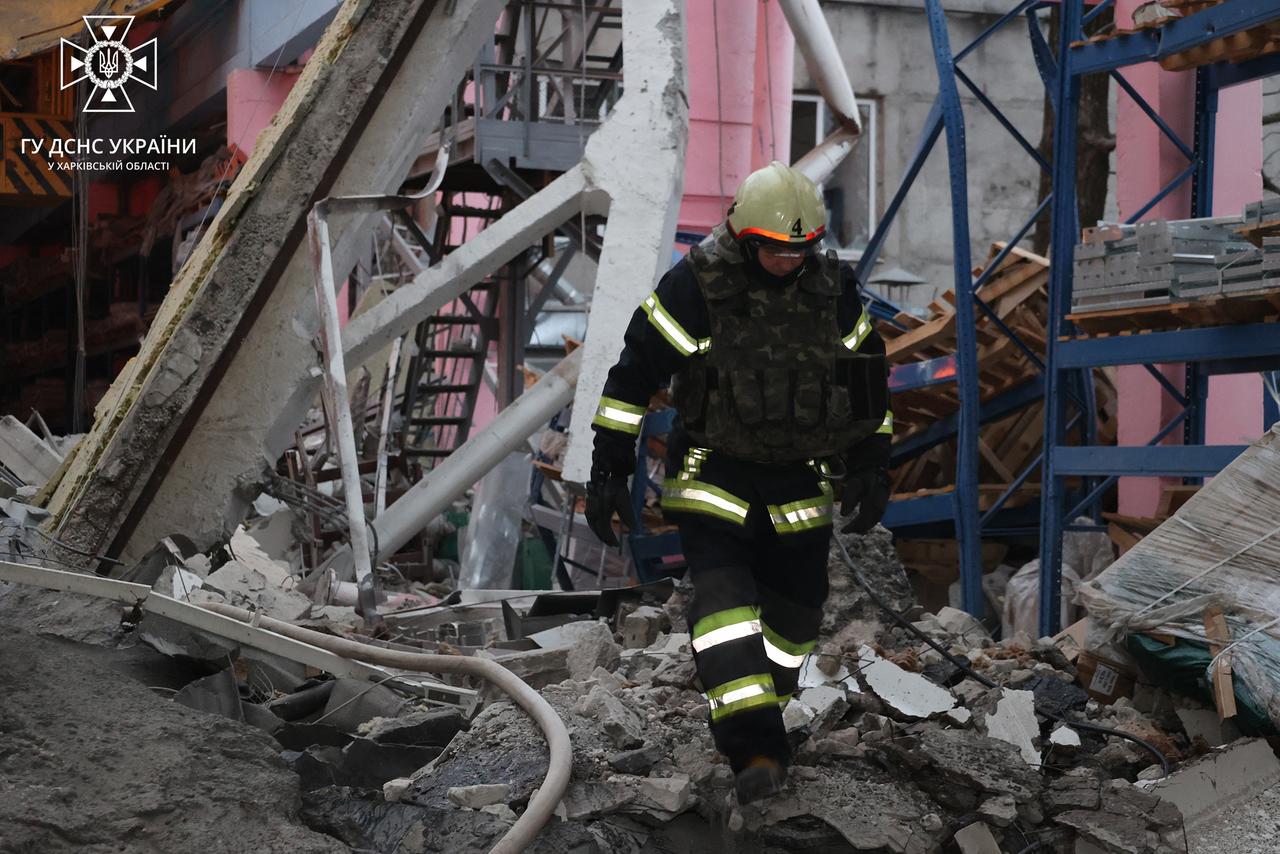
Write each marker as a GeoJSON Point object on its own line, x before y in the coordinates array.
{"type": "Point", "coordinates": [781, 238]}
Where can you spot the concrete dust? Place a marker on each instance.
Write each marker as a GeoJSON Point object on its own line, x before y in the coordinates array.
{"type": "Point", "coordinates": [90, 762]}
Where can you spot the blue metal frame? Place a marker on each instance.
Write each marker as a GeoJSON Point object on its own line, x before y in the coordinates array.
{"type": "Point", "coordinates": [1205, 351]}
{"type": "Point", "coordinates": [650, 552]}
{"type": "Point", "coordinates": [961, 368]}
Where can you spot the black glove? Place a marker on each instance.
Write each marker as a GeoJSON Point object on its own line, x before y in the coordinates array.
{"type": "Point", "coordinates": [607, 492]}
{"type": "Point", "coordinates": [866, 485]}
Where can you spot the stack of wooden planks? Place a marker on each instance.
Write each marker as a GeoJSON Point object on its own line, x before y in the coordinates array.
{"type": "Point", "coordinates": [1017, 294]}
{"type": "Point", "coordinates": [1125, 531]}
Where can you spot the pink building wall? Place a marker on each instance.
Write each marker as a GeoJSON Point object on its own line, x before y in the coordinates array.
{"type": "Point", "coordinates": [731, 131]}
{"type": "Point", "coordinates": [1145, 162]}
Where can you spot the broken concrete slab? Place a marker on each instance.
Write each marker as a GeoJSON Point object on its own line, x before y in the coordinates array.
{"type": "Point", "coordinates": [622, 726]}
{"type": "Point", "coordinates": [976, 838]}
{"type": "Point", "coordinates": [642, 626]}
{"type": "Point", "coordinates": [1000, 811]}
{"type": "Point", "coordinates": [1222, 776]}
{"type": "Point", "coordinates": [481, 795]}
{"type": "Point", "coordinates": [393, 790]}
{"type": "Point", "coordinates": [243, 586]}
{"type": "Point", "coordinates": [670, 795]}
{"type": "Point", "coordinates": [1078, 788]}
{"type": "Point", "coordinates": [966, 766]}
{"type": "Point", "coordinates": [26, 454]}
{"type": "Point", "coordinates": [1205, 724]}
{"type": "Point", "coordinates": [591, 646]}
{"type": "Point", "coordinates": [1015, 721]}
{"type": "Point", "coordinates": [963, 625]}
{"type": "Point", "coordinates": [865, 812]}
{"type": "Point", "coordinates": [432, 727]}
{"type": "Point", "coordinates": [217, 695]}
{"type": "Point", "coordinates": [637, 760]}
{"type": "Point", "coordinates": [538, 667]}
{"type": "Point", "coordinates": [198, 419]}
{"type": "Point", "coordinates": [909, 695]}
{"type": "Point", "coordinates": [827, 702]}
{"type": "Point", "coordinates": [1128, 820]}
{"type": "Point", "coordinates": [1064, 736]}
{"type": "Point", "coordinates": [368, 765]}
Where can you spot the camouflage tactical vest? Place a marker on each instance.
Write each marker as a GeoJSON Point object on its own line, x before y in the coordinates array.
{"type": "Point", "coordinates": [766, 389]}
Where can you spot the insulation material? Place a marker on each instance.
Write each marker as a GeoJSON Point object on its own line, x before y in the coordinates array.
{"type": "Point", "coordinates": [1084, 555]}
{"type": "Point", "coordinates": [1221, 548]}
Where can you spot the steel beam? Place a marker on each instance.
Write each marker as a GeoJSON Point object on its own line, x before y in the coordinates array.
{"type": "Point", "coordinates": [1065, 230]}
{"type": "Point", "coordinates": [1173, 37]}
{"type": "Point", "coordinates": [965, 498]}
{"type": "Point", "coordinates": [1146, 460]}
{"type": "Point", "coordinates": [1255, 340]}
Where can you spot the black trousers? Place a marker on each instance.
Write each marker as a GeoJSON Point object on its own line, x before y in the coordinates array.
{"type": "Point", "coordinates": [755, 613]}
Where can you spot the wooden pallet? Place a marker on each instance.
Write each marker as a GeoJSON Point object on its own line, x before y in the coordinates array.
{"type": "Point", "coordinates": [1224, 310]}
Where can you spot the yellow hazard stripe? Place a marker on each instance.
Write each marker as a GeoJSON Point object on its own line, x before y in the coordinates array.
{"type": "Point", "coordinates": [695, 496]}
{"type": "Point", "coordinates": [619, 415]}
{"type": "Point", "coordinates": [671, 330]}
{"type": "Point", "coordinates": [860, 331]}
{"type": "Point", "coordinates": [801, 515]}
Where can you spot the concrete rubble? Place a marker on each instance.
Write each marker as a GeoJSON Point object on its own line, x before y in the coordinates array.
{"type": "Point", "coordinates": [896, 748]}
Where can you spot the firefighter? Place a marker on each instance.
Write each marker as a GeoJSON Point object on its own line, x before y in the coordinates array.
{"type": "Point", "coordinates": [780, 386]}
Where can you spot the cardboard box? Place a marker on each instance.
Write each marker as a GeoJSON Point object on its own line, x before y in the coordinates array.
{"type": "Point", "coordinates": [1104, 679]}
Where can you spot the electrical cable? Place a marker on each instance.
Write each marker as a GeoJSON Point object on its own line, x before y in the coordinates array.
{"type": "Point", "coordinates": [969, 671]}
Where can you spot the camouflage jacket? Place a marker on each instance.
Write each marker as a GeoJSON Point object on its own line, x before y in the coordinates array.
{"type": "Point", "coordinates": [761, 373]}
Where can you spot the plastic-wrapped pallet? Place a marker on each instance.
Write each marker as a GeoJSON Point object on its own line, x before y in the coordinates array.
{"type": "Point", "coordinates": [1221, 548]}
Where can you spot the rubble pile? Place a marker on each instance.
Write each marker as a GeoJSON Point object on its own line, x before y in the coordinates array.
{"type": "Point", "coordinates": [897, 749]}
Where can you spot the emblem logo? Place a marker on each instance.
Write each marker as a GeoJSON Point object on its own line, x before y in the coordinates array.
{"type": "Point", "coordinates": [108, 64]}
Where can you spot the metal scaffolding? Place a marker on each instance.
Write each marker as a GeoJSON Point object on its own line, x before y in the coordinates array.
{"type": "Point", "coordinates": [1064, 379]}
{"type": "Point", "coordinates": [1205, 351]}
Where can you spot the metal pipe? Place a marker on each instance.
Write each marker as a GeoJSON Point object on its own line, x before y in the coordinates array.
{"type": "Point", "coordinates": [384, 427]}
{"type": "Point", "coordinates": [822, 59]}
{"type": "Point", "coordinates": [820, 162]}
{"type": "Point", "coordinates": [543, 804]}
{"type": "Point", "coordinates": [336, 379]}
{"type": "Point", "coordinates": [432, 495]}
{"type": "Point", "coordinates": [335, 365]}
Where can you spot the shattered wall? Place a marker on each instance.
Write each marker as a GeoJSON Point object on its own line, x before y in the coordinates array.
{"type": "Point", "coordinates": [190, 423]}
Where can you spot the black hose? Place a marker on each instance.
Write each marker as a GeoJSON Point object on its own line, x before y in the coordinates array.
{"type": "Point", "coordinates": [964, 666]}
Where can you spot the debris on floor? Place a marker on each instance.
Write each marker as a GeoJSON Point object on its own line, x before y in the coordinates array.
{"type": "Point", "coordinates": [897, 749]}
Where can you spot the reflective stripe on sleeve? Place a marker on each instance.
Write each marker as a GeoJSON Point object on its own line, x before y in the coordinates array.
{"type": "Point", "coordinates": [860, 331]}
{"type": "Point", "coordinates": [695, 496]}
{"type": "Point", "coordinates": [801, 515]}
{"type": "Point", "coordinates": [741, 694]}
{"type": "Point", "coordinates": [618, 415]}
{"type": "Point", "coordinates": [724, 634]}
{"type": "Point", "coordinates": [783, 652]}
{"type": "Point", "coordinates": [671, 330]}
{"type": "Point", "coordinates": [886, 426]}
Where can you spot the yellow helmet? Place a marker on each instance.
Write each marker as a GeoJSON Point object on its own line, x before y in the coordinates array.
{"type": "Point", "coordinates": [778, 204]}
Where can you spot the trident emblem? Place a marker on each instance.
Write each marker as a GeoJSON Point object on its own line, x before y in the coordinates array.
{"type": "Point", "coordinates": [110, 63]}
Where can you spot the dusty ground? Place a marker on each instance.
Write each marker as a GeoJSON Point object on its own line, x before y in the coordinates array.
{"type": "Point", "coordinates": [93, 760]}
{"type": "Point", "coordinates": [1250, 826]}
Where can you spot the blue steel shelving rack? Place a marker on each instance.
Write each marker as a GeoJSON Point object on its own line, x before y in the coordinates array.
{"type": "Point", "coordinates": [1205, 351]}
{"type": "Point", "coordinates": [960, 508]}
{"type": "Point", "coordinates": [1064, 379]}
